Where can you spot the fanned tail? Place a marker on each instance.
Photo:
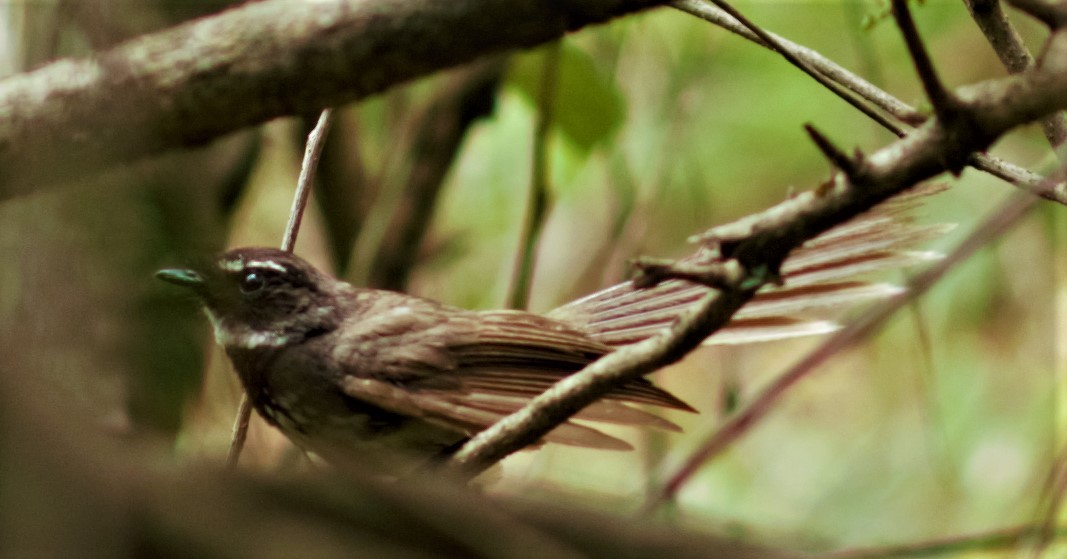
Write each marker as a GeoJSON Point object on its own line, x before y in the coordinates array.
{"type": "Point", "coordinates": [820, 277]}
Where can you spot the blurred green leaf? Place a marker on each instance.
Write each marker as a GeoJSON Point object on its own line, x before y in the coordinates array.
{"type": "Point", "coordinates": [588, 107]}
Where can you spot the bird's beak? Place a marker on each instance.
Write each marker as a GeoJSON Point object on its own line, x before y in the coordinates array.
{"type": "Point", "coordinates": [184, 278]}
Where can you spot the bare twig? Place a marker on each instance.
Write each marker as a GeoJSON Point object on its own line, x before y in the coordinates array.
{"type": "Point", "coordinates": [994, 226]}
{"type": "Point", "coordinates": [1009, 172]}
{"type": "Point", "coordinates": [650, 272]}
{"type": "Point", "coordinates": [1001, 34]}
{"type": "Point", "coordinates": [811, 58]}
{"type": "Point", "coordinates": [1011, 50]}
{"type": "Point", "coordinates": [772, 42]}
{"type": "Point", "coordinates": [537, 202]}
{"type": "Point", "coordinates": [344, 189]}
{"type": "Point", "coordinates": [240, 431]}
{"type": "Point", "coordinates": [316, 140]}
{"type": "Point", "coordinates": [943, 101]}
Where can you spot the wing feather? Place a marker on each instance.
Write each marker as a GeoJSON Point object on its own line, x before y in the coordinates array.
{"type": "Point", "coordinates": [470, 369]}
{"type": "Point", "coordinates": [467, 415]}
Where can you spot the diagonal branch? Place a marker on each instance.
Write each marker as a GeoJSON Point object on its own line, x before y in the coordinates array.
{"type": "Point", "coordinates": [1009, 172]}
{"type": "Point", "coordinates": [1009, 47]}
{"type": "Point", "coordinates": [570, 395]}
{"type": "Point", "coordinates": [1000, 221]}
{"type": "Point", "coordinates": [761, 242]}
{"type": "Point", "coordinates": [941, 98]}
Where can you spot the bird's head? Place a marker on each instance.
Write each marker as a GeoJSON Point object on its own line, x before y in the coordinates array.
{"type": "Point", "coordinates": [261, 297]}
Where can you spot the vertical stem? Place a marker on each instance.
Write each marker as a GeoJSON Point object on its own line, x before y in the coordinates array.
{"type": "Point", "coordinates": [537, 203]}
{"type": "Point", "coordinates": [312, 151]}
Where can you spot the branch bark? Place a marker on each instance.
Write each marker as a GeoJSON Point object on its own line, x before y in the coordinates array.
{"type": "Point", "coordinates": [190, 84]}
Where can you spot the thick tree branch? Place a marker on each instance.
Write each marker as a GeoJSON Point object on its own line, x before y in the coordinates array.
{"type": "Point", "coordinates": [196, 82]}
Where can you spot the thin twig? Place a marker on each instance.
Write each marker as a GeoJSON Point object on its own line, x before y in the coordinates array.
{"type": "Point", "coordinates": [772, 41]}
{"type": "Point", "coordinates": [538, 200]}
{"type": "Point", "coordinates": [1002, 219]}
{"type": "Point", "coordinates": [316, 140]}
{"type": "Point", "coordinates": [999, 168]}
{"type": "Point", "coordinates": [312, 151]}
{"type": "Point", "coordinates": [344, 189]}
{"type": "Point", "coordinates": [812, 59]}
{"type": "Point", "coordinates": [939, 96]}
{"type": "Point", "coordinates": [240, 431]}
{"type": "Point", "coordinates": [1001, 34]}
{"type": "Point", "coordinates": [1010, 48]}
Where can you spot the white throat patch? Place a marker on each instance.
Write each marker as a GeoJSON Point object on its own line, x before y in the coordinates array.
{"type": "Point", "coordinates": [241, 336]}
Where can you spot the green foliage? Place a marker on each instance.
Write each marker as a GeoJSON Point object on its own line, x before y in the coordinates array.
{"type": "Point", "coordinates": [663, 126]}
{"type": "Point", "coordinates": [588, 107]}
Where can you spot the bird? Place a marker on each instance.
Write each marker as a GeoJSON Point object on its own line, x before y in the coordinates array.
{"type": "Point", "coordinates": [391, 380]}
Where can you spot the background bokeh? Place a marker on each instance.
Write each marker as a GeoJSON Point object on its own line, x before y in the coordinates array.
{"type": "Point", "coordinates": [947, 422]}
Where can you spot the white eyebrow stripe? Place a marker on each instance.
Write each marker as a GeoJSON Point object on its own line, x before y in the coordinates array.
{"type": "Point", "coordinates": [241, 265]}
{"type": "Point", "coordinates": [270, 264]}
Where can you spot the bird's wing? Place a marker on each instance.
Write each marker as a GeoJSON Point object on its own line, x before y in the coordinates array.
{"type": "Point", "coordinates": [466, 370]}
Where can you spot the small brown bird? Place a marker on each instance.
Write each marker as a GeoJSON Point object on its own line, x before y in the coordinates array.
{"type": "Point", "coordinates": [370, 375]}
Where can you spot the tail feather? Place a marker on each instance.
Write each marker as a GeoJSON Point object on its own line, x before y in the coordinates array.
{"type": "Point", "coordinates": [820, 277]}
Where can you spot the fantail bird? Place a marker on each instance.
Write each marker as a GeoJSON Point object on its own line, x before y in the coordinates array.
{"type": "Point", "coordinates": [371, 375]}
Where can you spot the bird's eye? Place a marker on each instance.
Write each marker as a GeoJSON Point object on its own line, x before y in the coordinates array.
{"type": "Point", "coordinates": [252, 282]}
